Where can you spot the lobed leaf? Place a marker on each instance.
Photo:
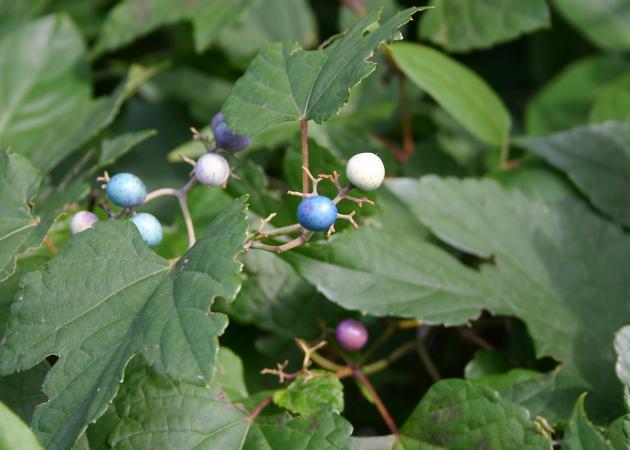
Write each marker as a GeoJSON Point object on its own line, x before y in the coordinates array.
{"type": "Point", "coordinates": [107, 297]}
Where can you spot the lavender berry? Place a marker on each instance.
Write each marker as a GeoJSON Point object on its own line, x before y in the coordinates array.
{"type": "Point", "coordinates": [351, 335]}
{"type": "Point", "coordinates": [81, 221]}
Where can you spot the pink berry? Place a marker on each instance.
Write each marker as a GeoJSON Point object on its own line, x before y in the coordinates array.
{"type": "Point", "coordinates": [351, 335]}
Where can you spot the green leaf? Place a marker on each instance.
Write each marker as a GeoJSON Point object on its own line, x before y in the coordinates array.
{"type": "Point", "coordinates": [157, 412]}
{"type": "Point", "coordinates": [131, 19]}
{"type": "Point", "coordinates": [15, 434]}
{"type": "Point", "coordinates": [566, 101]}
{"type": "Point", "coordinates": [50, 97]}
{"type": "Point", "coordinates": [20, 229]}
{"type": "Point", "coordinates": [461, 92]}
{"type": "Point", "coordinates": [464, 25]}
{"type": "Point", "coordinates": [307, 393]}
{"type": "Point", "coordinates": [597, 159]}
{"type": "Point", "coordinates": [14, 13]}
{"type": "Point", "coordinates": [457, 414]}
{"type": "Point", "coordinates": [581, 434]}
{"type": "Point", "coordinates": [622, 349]}
{"type": "Point", "coordinates": [286, 83]}
{"type": "Point", "coordinates": [613, 102]}
{"type": "Point", "coordinates": [106, 297]}
{"type": "Point", "coordinates": [604, 22]}
{"type": "Point", "coordinates": [229, 375]}
{"type": "Point", "coordinates": [267, 21]}
{"type": "Point", "coordinates": [550, 266]}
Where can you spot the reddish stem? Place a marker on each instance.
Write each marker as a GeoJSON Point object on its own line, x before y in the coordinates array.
{"type": "Point", "coordinates": [408, 145]}
{"type": "Point", "coordinates": [361, 378]}
{"type": "Point", "coordinates": [259, 408]}
{"type": "Point", "coordinates": [304, 136]}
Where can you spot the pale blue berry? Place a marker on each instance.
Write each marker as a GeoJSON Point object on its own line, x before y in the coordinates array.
{"type": "Point", "coordinates": [212, 169]}
{"type": "Point", "coordinates": [126, 190]}
{"type": "Point", "coordinates": [149, 227]}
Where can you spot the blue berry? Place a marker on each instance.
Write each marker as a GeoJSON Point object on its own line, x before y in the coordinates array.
{"type": "Point", "coordinates": [317, 213]}
{"type": "Point", "coordinates": [126, 190]}
{"type": "Point", "coordinates": [149, 227]}
{"type": "Point", "coordinates": [351, 335]}
{"type": "Point", "coordinates": [225, 138]}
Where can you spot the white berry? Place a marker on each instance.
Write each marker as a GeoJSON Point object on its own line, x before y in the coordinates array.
{"type": "Point", "coordinates": [366, 171]}
{"type": "Point", "coordinates": [81, 221]}
{"type": "Point", "coordinates": [212, 169]}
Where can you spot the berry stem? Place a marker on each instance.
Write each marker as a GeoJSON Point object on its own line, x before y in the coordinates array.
{"type": "Point", "coordinates": [259, 408]}
{"type": "Point", "coordinates": [427, 361]}
{"type": "Point", "coordinates": [382, 409]}
{"type": "Point", "coordinates": [408, 144]}
{"type": "Point", "coordinates": [304, 139]}
{"type": "Point", "coordinates": [50, 245]}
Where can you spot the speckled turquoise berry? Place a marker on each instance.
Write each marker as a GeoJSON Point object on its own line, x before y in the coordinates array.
{"type": "Point", "coordinates": [149, 227]}
{"type": "Point", "coordinates": [126, 190]}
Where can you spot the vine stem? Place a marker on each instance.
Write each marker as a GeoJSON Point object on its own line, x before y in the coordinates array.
{"type": "Point", "coordinates": [259, 408]}
{"type": "Point", "coordinates": [305, 159]}
{"type": "Point", "coordinates": [361, 378]}
{"type": "Point", "coordinates": [409, 147]}
{"type": "Point", "coordinates": [182, 198]}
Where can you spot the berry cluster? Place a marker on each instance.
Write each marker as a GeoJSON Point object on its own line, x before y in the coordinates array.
{"type": "Point", "coordinates": [314, 213]}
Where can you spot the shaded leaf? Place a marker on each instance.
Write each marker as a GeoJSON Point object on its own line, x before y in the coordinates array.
{"type": "Point", "coordinates": [286, 83]}
{"type": "Point", "coordinates": [566, 101]}
{"type": "Point", "coordinates": [106, 297]}
{"type": "Point", "coordinates": [597, 159]}
{"type": "Point", "coordinates": [581, 434]}
{"type": "Point", "coordinates": [22, 392]}
{"type": "Point", "coordinates": [613, 102]}
{"type": "Point", "coordinates": [112, 149]}
{"type": "Point", "coordinates": [462, 93]}
{"type": "Point", "coordinates": [464, 25]}
{"type": "Point", "coordinates": [604, 22]}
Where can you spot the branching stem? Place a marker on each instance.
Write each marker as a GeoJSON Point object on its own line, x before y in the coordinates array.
{"type": "Point", "coordinates": [305, 159]}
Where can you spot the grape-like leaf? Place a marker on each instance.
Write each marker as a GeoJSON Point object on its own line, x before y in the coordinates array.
{"type": "Point", "coordinates": [613, 102]}
{"type": "Point", "coordinates": [464, 25]}
{"type": "Point", "coordinates": [581, 434]}
{"type": "Point", "coordinates": [112, 149]}
{"type": "Point", "coordinates": [463, 94]}
{"type": "Point", "coordinates": [308, 392]}
{"type": "Point", "coordinates": [157, 412]}
{"type": "Point", "coordinates": [287, 83]}
{"type": "Point", "coordinates": [20, 228]}
{"type": "Point", "coordinates": [597, 159]}
{"type": "Point", "coordinates": [106, 297]}
{"type": "Point", "coordinates": [461, 415]}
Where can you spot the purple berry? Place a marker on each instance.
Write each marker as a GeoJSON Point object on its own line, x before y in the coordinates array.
{"type": "Point", "coordinates": [225, 138]}
{"type": "Point", "coordinates": [351, 335]}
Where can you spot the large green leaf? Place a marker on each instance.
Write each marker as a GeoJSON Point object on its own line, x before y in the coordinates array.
{"type": "Point", "coordinates": [460, 91]}
{"type": "Point", "coordinates": [106, 297]}
{"type": "Point", "coordinates": [463, 25]}
{"type": "Point", "coordinates": [622, 349]}
{"type": "Point", "coordinates": [606, 23]}
{"type": "Point", "coordinates": [132, 19]}
{"type": "Point", "coordinates": [555, 258]}
{"type": "Point", "coordinates": [157, 412]}
{"type": "Point", "coordinates": [20, 229]}
{"type": "Point", "coordinates": [460, 415]}
{"type": "Point", "coordinates": [613, 103]}
{"type": "Point", "coordinates": [566, 101]}
{"type": "Point", "coordinates": [22, 392]}
{"type": "Point", "coordinates": [15, 434]}
{"type": "Point", "coordinates": [286, 83]}
{"type": "Point", "coordinates": [46, 109]}
{"type": "Point", "coordinates": [597, 159]}
{"type": "Point", "coordinates": [581, 434]}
